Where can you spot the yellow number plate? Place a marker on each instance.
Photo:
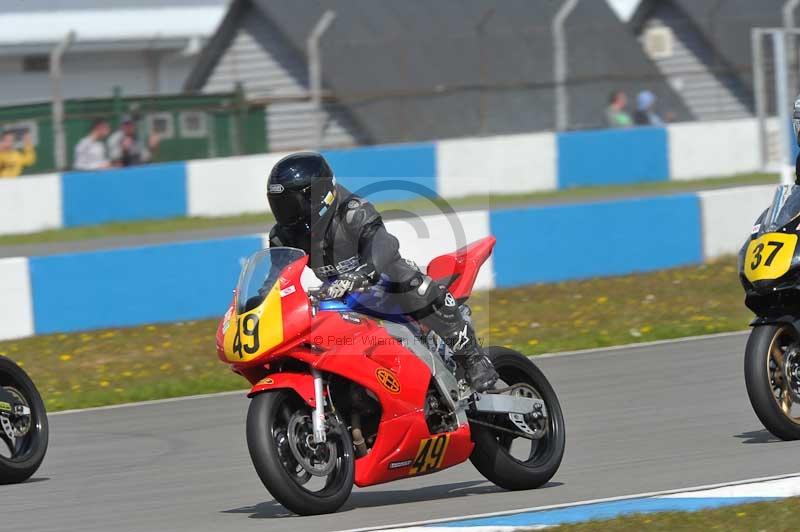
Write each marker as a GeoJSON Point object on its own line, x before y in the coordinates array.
{"type": "Point", "coordinates": [769, 256]}
{"type": "Point", "coordinates": [430, 454]}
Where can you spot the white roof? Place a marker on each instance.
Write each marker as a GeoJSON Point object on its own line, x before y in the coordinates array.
{"type": "Point", "coordinates": [129, 24]}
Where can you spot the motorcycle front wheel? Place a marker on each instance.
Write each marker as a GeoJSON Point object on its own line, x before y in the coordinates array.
{"type": "Point", "coordinates": [772, 378]}
{"type": "Point", "coordinates": [305, 477]}
{"type": "Point", "coordinates": [24, 431]}
{"type": "Point", "coordinates": [519, 454]}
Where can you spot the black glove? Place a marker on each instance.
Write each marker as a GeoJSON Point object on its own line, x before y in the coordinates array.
{"type": "Point", "coordinates": [344, 284]}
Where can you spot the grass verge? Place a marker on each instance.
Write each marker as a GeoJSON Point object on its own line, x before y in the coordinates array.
{"type": "Point", "coordinates": [765, 516]}
{"type": "Point", "coordinates": [421, 206]}
{"type": "Point", "coordinates": [167, 360]}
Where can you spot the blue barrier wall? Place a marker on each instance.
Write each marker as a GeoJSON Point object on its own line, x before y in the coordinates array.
{"type": "Point", "coordinates": [612, 157]}
{"type": "Point", "coordinates": [386, 173]}
{"type": "Point", "coordinates": [138, 193]}
{"type": "Point", "coordinates": [134, 286]}
{"type": "Point", "coordinates": [578, 241]}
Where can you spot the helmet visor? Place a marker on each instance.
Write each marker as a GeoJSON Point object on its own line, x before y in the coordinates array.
{"type": "Point", "coordinates": [306, 205]}
{"type": "Point", "coordinates": [291, 207]}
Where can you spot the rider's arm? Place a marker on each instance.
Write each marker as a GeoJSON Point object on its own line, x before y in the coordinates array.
{"type": "Point", "coordinates": [377, 249]}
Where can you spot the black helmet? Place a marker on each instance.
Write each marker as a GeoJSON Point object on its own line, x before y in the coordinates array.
{"type": "Point", "coordinates": [301, 191]}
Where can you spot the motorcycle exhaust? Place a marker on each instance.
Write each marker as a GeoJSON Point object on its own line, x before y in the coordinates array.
{"type": "Point", "coordinates": [358, 438]}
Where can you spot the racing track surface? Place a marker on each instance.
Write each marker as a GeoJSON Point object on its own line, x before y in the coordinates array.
{"type": "Point", "coordinates": [639, 419]}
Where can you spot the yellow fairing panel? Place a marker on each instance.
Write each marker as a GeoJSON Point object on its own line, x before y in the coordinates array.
{"type": "Point", "coordinates": [769, 256]}
{"type": "Point", "coordinates": [256, 331]}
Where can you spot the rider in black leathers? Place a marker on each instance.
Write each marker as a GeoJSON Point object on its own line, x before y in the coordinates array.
{"type": "Point", "coordinates": [349, 249]}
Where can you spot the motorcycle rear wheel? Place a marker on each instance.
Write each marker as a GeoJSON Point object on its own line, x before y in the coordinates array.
{"type": "Point", "coordinates": [272, 419]}
{"type": "Point", "coordinates": [492, 455]}
{"type": "Point", "coordinates": [18, 462]}
{"type": "Point", "coordinates": [766, 382]}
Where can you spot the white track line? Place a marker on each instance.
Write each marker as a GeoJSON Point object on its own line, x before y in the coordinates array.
{"type": "Point", "coordinates": [611, 349]}
{"type": "Point", "coordinates": [571, 504]}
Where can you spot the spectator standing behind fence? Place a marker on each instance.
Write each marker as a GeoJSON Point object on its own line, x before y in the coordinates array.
{"type": "Point", "coordinates": [645, 114]}
{"type": "Point", "coordinates": [126, 148]}
{"type": "Point", "coordinates": [616, 115]}
{"type": "Point", "coordinates": [90, 152]}
{"type": "Point", "coordinates": [12, 160]}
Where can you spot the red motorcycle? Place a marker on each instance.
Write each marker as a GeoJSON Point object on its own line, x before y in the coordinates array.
{"type": "Point", "coordinates": [353, 392]}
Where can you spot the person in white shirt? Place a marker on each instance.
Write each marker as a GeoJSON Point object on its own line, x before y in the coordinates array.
{"type": "Point", "coordinates": [90, 152]}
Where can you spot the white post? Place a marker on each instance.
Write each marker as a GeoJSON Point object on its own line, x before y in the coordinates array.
{"type": "Point", "coordinates": [759, 92]}
{"type": "Point", "coordinates": [783, 102]}
{"type": "Point", "coordinates": [59, 141]}
{"type": "Point", "coordinates": [560, 63]}
{"type": "Point", "coordinates": [315, 73]}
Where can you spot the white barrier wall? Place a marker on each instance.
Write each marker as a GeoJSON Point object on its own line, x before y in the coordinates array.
{"type": "Point", "coordinates": [728, 216]}
{"type": "Point", "coordinates": [30, 204]}
{"type": "Point", "coordinates": [16, 307]}
{"type": "Point", "coordinates": [713, 149]}
{"type": "Point", "coordinates": [230, 186]}
{"type": "Point", "coordinates": [505, 164]}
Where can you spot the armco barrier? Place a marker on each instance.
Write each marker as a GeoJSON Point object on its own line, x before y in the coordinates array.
{"type": "Point", "coordinates": [138, 285]}
{"type": "Point", "coordinates": [137, 193]}
{"type": "Point", "coordinates": [608, 238]}
{"type": "Point", "coordinates": [508, 164]}
{"type": "Point", "coordinates": [541, 244]}
{"type": "Point", "coordinates": [30, 204]}
{"type": "Point", "coordinates": [612, 157]}
{"type": "Point", "coordinates": [729, 215]}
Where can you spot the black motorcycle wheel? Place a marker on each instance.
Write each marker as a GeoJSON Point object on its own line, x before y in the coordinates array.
{"type": "Point", "coordinates": [495, 456]}
{"type": "Point", "coordinates": [769, 384]}
{"type": "Point", "coordinates": [22, 456]}
{"type": "Point", "coordinates": [289, 466]}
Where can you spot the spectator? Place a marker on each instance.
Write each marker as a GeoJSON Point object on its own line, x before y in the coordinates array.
{"type": "Point", "coordinates": [126, 148]}
{"type": "Point", "coordinates": [90, 152]}
{"type": "Point", "coordinates": [645, 114]}
{"type": "Point", "coordinates": [12, 161]}
{"type": "Point", "coordinates": [616, 115]}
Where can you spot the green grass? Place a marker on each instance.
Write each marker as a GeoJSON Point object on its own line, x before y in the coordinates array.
{"type": "Point", "coordinates": [167, 360]}
{"type": "Point", "coordinates": [765, 516]}
{"type": "Point", "coordinates": [420, 206]}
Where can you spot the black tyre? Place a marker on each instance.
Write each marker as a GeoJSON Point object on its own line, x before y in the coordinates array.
{"type": "Point", "coordinates": [21, 456]}
{"type": "Point", "coordinates": [306, 480]}
{"type": "Point", "coordinates": [496, 455]}
{"type": "Point", "coordinates": [771, 371]}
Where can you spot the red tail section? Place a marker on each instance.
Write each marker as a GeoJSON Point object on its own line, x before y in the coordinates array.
{"type": "Point", "coordinates": [458, 270]}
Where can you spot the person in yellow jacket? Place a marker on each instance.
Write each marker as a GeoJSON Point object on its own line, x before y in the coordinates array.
{"type": "Point", "coordinates": [12, 161]}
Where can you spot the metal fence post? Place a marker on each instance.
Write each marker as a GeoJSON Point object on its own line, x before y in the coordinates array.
{"type": "Point", "coordinates": [59, 140]}
{"type": "Point", "coordinates": [315, 73]}
{"type": "Point", "coordinates": [782, 102]}
{"type": "Point", "coordinates": [791, 51]}
{"type": "Point", "coordinates": [560, 63]}
{"type": "Point", "coordinates": [759, 93]}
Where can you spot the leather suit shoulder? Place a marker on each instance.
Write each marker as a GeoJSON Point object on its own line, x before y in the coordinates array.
{"type": "Point", "coordinates": [357, 213]}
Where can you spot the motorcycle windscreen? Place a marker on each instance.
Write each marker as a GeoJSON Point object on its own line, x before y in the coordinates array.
{"type": "Point", "coordinates": [785, 208]}
{"type": "Point", "coordinates": [258, 322]}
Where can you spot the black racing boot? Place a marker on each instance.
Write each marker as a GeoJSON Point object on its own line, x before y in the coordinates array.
{"type": "Point", "coordinates": [469, 355]}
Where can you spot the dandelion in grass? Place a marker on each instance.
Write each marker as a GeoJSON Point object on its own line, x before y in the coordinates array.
{"type": "Point", "coordinates": [127, 374]}
{"type": "Point", "coordinates": [165, 366]}
{"type": "Point", "coordinates": [66, 357]}
{"type": "Point", "coordinates": [149, 348]}
{"type": "Point", "coordinates": [104, 384]}
{"type": "Point", "coordinates": [533, 341]}
{"type": "Point", "coordinates": [602, 300]}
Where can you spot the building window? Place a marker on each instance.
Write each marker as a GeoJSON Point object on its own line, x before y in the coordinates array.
{"type": "Point", "coordinates": [161, 124]}
{"type": "Point", "coordinates": [193, 124]}
{"type": "Point", "coordinates": [36, 63]}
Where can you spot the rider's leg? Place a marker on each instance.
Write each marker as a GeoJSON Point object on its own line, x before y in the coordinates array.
{"type": "Point", "coordinates": [433, 305]}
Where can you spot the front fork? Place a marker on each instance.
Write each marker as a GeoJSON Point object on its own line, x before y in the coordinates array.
{"type": "Point", "coordinates": [318, 416]}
